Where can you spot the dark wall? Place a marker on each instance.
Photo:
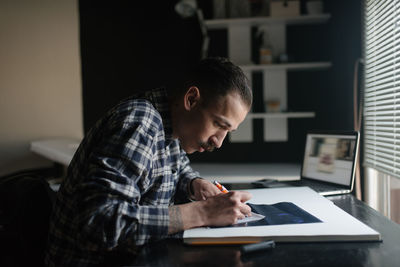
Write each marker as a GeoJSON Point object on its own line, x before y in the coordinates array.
{"type": "Point", "coordinates": [129, 46]}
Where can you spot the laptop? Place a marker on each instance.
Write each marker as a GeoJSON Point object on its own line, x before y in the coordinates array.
{"type": "Point", "coordinates": [329, 163]}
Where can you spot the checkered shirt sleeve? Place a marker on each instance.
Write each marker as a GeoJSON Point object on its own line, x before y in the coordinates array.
{"type": "Point", "coordinates": [119, 186]}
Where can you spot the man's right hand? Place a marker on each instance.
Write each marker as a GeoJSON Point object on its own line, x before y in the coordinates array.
{"type": "Point", "coordinates": [218, 210]}
{"type": "Point", "coordinates": [226, 209]}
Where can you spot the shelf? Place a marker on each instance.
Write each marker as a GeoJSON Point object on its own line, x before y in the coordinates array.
{"type": "Point", "coordinates": [288, 66]}
{"type": "Point", "coordinates": [257, 21]}
{"type": "Point", "coordinates": [281, 115]}
{"type": "Point", "coordinates": [240, 48]}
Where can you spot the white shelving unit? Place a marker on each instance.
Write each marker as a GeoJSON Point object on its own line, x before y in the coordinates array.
{"type": "Point", "coordinates": [284, 115]}
{"type": "Point", "coordinates": [275, 75]}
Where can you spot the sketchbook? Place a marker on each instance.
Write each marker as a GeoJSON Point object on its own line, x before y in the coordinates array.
{"type": "Point", "coordinates": [334, 223]}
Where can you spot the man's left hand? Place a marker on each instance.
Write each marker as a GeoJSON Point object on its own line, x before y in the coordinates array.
{"type": "Point", "coordinates": [203, 189]}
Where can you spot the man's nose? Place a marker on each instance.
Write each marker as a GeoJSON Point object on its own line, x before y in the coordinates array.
{"type": "Point", "coordinates": [218, 139]}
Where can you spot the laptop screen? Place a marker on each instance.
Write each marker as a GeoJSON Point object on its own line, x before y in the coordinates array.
{"type": "Point", "coordinates": [330, 157]}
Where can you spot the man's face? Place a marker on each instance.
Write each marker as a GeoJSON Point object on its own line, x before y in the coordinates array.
{"type": "Point", "coordinates": [206, 126]}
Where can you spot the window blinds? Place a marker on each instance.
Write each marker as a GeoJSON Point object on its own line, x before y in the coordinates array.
{"type": "Point", "coordinates": [382, 86]}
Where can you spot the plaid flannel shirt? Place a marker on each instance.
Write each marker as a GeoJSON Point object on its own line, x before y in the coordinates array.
{"type": "Point", "coordinates": [125, 174]}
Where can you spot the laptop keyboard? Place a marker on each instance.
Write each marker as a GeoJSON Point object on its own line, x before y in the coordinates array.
{"type": "Point", "coordinates": [319, 187]}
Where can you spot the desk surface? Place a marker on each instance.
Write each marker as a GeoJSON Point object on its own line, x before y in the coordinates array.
{"type": "Point", "coordinates": [175, 253]}
{"type": "Point", "coordinates": [385, 253]}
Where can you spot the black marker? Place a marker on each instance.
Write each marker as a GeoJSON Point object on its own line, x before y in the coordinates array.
{"type": "Point", "coordinates": [266, 245]}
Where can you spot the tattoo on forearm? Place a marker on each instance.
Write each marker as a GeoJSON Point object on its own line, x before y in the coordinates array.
{"type": "Point", "coordinates": [175, 220]}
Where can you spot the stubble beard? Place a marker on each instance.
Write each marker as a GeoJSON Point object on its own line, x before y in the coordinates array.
{"type": "Point", "coordinates": [209, 147]}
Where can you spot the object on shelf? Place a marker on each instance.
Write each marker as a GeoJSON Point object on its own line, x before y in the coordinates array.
{"type": "Point", "coordinates": [219, 9]}
{"type": "Point", "coordinates": [283, 58]}
{"type": "Point", "coordinates": [314, 7]}
{"type": "Point", "coordinates": [284, 8]}
{"type": "Point", "coordinates": [238, 8]}
{"type": "Point", "coordinates": [259, 8]}
{"type": "Point", "coordinates": [266, 56]}
{"type": "Point", "coordinates": [273, 105]}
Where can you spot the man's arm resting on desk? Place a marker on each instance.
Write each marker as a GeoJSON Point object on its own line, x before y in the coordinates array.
{"type": "Point", "coordinates": [218, 210]}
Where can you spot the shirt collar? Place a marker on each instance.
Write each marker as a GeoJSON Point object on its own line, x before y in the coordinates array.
{"type": "Point", "coordinates": [159, 99]}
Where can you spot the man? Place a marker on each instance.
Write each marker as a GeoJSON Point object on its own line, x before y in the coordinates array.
{"type": "Point", "coordinates": [130, 178]}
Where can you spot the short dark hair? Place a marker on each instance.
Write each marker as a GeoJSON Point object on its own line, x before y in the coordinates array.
{"type": "Point", "coordinates": [216, 77]}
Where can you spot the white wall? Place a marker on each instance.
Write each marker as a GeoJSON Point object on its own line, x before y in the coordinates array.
{"type": "Point", "coordinates": [40, 77]}
{"type": "Point", "coordinates": [395, 199]}
{"type": "Point", "coordinates": [377, 190]}
{"type": "Point", "coordinates": [382, 192]}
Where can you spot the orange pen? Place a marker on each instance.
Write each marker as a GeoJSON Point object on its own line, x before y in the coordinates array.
{"type": "Point", "coordinates": [221, 187]}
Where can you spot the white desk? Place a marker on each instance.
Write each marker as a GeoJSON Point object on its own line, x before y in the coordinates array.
{"type": "Point", "coordinates": [62, 150]}
{"type": "Point", "coordinates": [58, 150]}
{"type": "Point", "coordinates": [247, 172]}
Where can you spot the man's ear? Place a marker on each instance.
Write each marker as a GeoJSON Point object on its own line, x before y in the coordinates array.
{"type": "Point", "coordinates": [191, 98]}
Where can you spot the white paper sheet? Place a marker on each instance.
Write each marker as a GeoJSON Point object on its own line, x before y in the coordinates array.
{"type": "Point", "coordinates": [254, 217]}
{"type": "Point", "coordinates": [337, 225]}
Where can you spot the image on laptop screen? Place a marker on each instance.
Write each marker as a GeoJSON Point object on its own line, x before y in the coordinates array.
{"type": "Point", "coordinates": [330, 157]}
